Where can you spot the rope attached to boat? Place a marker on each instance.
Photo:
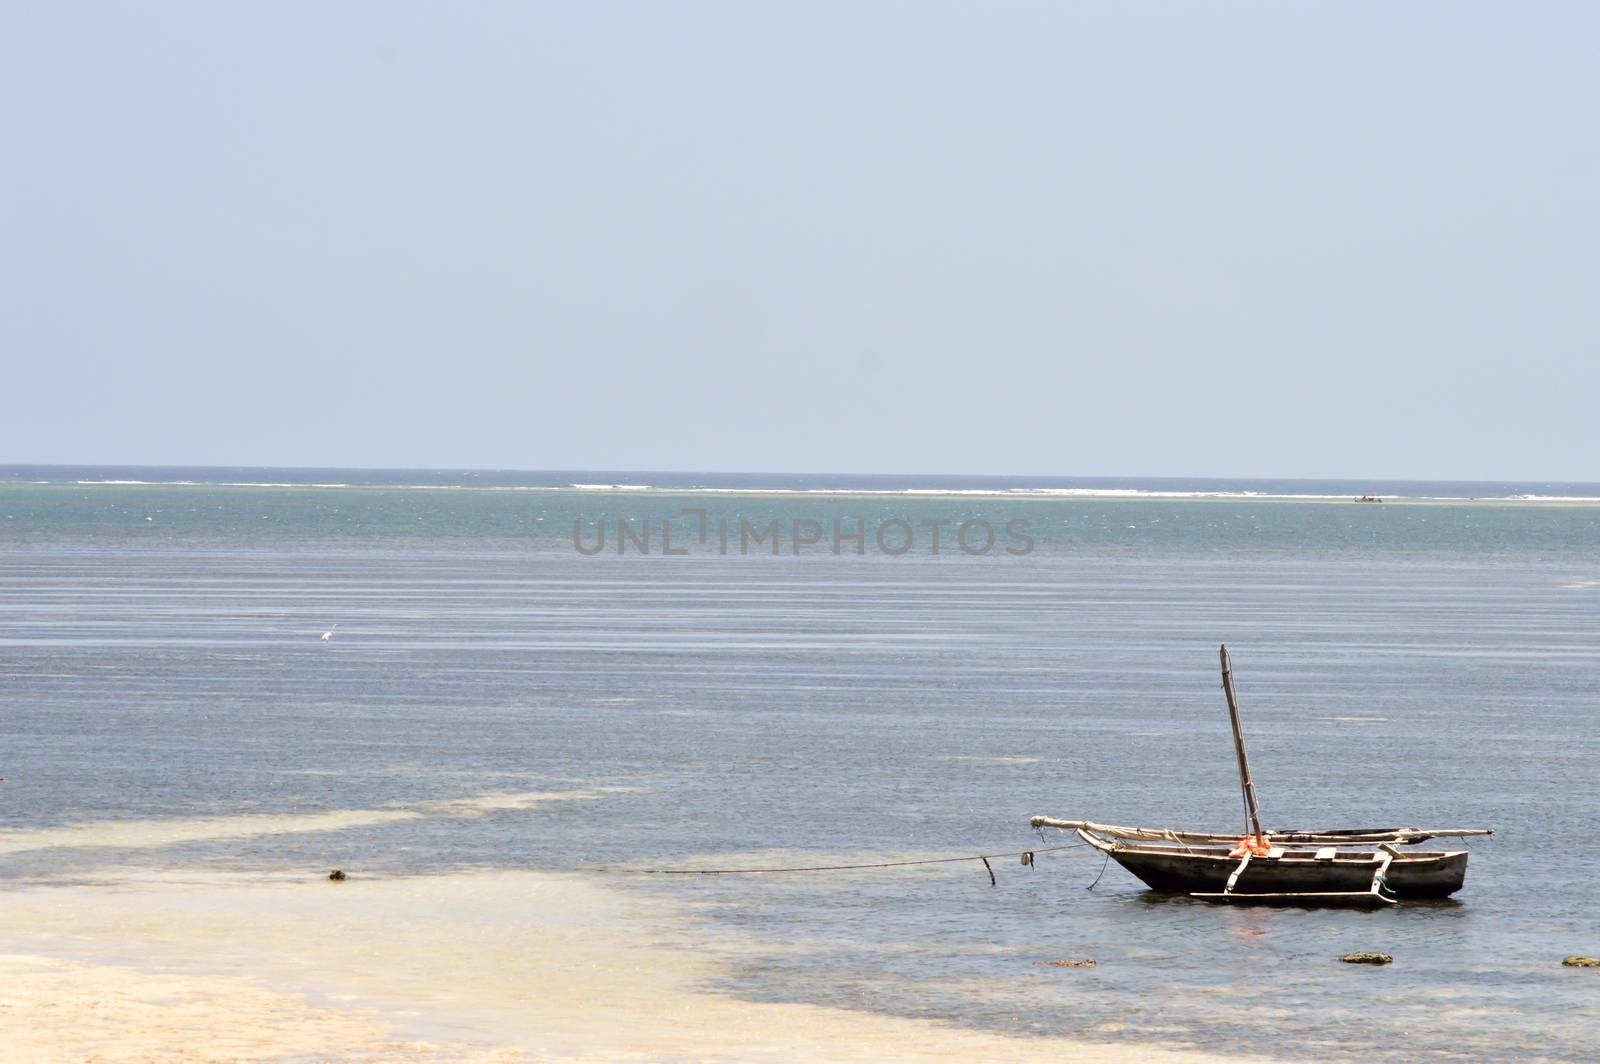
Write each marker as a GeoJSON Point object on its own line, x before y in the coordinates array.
{"type": "Point", "coordinates": [1254, 845]}
{"type": "Point", "coordinates": [1026, 855]}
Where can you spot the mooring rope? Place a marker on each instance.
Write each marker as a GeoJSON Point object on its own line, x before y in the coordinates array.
{"type": "Point", "coordinates": [1104, 865]}
{"type": "Point", "coordinates": [984, 857]}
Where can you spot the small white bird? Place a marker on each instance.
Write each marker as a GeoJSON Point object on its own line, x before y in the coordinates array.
{"type": "Point", "coordinates": [327, 637]}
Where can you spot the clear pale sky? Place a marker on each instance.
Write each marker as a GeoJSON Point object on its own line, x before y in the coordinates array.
{"type": "Point", "coordinates": [1186, 239]}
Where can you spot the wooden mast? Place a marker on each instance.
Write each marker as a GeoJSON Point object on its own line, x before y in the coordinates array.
{"type": "Point", "coordinates": [1245, 781]}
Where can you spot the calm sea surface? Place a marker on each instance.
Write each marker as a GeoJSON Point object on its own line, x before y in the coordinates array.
{"type": "Point", "coordinates": [1432, 660]}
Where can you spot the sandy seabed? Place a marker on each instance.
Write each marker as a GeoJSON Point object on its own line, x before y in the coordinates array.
{"type": "Point", "coordinates": [477, 967]}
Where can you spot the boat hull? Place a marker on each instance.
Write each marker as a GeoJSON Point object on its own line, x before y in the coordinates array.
{"type": "Point", "coordinates": [1409, 875]}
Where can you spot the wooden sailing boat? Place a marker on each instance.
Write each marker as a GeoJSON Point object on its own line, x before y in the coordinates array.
{"type": "Point", "coordinates": [1334, 866]}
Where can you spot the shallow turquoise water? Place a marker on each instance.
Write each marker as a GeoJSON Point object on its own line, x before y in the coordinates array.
{"type": "Point", "coordinates": [1419, 663]}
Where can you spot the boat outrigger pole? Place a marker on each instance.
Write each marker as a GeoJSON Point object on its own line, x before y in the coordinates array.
{"type": "Point", "coordinates": [1245, 782]}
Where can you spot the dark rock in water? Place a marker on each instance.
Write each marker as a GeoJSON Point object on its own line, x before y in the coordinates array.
{"type": "Point", "coordinates": [337, 875]}
{"type": "Point", "coordinates": [1087, 962]}
{"type": "Point", "coordinates": [1367, 956]}
{"type": "Point", "coordinates": [1581, 962]}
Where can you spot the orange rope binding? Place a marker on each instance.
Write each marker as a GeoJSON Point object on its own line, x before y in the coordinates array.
{"type": "Point", "coordinates": [1255, 845]}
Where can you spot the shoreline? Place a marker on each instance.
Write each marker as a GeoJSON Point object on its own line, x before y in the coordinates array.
{"type": "Point", "coordinates": [487, 967]}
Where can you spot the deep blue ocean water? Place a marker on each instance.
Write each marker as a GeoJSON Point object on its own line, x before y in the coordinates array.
{"type": "Point", "coordinates": [1430, 660]}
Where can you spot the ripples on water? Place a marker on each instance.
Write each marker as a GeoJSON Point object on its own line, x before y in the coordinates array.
{"type": "Point", "coordinates": [1428, 665]}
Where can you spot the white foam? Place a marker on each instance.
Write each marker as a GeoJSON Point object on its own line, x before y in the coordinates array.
{"type": "Point", "coordinates": [1107, 493]}
{"type": "Point", "coordinates": [1555, 498]}
{"type": "Point", "coordinates": [207, 484]}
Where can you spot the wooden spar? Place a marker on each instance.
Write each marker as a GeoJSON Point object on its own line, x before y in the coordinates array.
{"type": "Point", "coordinates": [1300, 836]}
{"type": "Point", "coordinates": [1245, 781]}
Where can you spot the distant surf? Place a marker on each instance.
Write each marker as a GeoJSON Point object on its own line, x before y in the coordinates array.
{"type": "Point", "coordinates": [814, 484]}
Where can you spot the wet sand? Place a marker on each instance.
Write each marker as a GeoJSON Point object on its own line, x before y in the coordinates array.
{"type": "Point", "coordinates": [482, 967]}
{"type": "Point", "coordinates": [148, 834]}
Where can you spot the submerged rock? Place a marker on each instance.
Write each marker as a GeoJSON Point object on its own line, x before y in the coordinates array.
{"type": "Point", "coordinates": [1087, 962]}
{"type": "Point", "coordinates": [1367, 956]}
{"type": "Point", "coordinates": [1581, 962]}
{"type": "Point", "coordinates": [337, 875]}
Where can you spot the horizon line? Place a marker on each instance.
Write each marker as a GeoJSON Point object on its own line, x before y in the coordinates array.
{"type": "Point", "coordinates": [1388, 479]}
